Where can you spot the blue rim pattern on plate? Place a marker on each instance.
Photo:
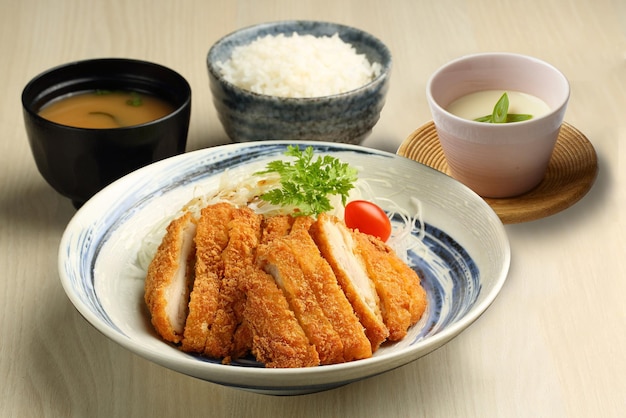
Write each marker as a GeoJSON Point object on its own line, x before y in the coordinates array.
{"type": "Point", "coordinates": [455, 284]}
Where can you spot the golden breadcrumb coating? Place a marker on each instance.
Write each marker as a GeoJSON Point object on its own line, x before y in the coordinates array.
{"type": "Point", "coordinates": [168, 279]}
{"type": "Point", "coordinates": [412, 283]}
{"type": "Point", "coordinates": [276, 226]}
{"type": "Point", "coordinates": [243, 237]}
{"type": "Point", "coordinates": [278, 259]}
{"type": "Point", "coordinates": [293, 291]}
{"type": "Point", "coordinates": [390, 286]}
{"type": "Point", "coordinates": [330, 297]}
{"type": "Point", "coordinates": [337, 246]}
{"type": "Point", "coordinates": [278, 339]}
{"type": "Point", "coordinates": [211, 239]}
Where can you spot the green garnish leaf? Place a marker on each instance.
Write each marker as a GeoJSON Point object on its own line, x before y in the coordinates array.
{"type": "Point", "coordinates": [500, 113]}
{"type": "Point", "coordinates": [307, 183]}
{"type": "Point", "coordinates": [514, 117]}
{"type": "Point", "coordinates": [484, 119]}
{"type": "Point", "coordinates": [135, 100]}
{"type": "Point", "coordinates": [501, 109]}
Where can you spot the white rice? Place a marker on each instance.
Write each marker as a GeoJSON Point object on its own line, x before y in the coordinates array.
{"type": "Point", "coordinates": [298, 66]}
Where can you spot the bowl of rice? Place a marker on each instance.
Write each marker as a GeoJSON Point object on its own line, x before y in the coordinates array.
{"type": "Point", "coordinates": [299, 80]}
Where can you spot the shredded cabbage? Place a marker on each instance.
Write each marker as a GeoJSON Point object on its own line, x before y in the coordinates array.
{"type": "Point", "coordinates": [244, 190]}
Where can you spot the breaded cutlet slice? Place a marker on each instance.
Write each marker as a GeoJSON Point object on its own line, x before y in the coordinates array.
{"type": "Point", "coordinates": [279, 260]}
{"type": "Point", "coordinates": [417, 295]}
{"type": "Point", "coordinates": [278, 340]}
{"type": "Point", "coordinates": [168, 280]}
{"type": "Point", "coordinates": [275, 226]}
{"type": "Point", "coordinates": [211, 239]}
{"type": "Point", "coordinates": [391, 286]}
{"type": "Point", "coordinates": [227, 337]}
{"type": "Point", "coordinates": [337, 246]}
{"type": "Point", "coordinates": [330, 297]}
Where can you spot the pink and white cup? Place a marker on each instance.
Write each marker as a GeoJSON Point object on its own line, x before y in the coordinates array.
{"type": "Point", "coordinates": [498, 160]}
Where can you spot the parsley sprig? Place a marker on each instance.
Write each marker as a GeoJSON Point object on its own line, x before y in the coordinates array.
{"type": "Point", "coordinates": [501, 113]}
{"type": "Point", "coordinates": [308, 183]}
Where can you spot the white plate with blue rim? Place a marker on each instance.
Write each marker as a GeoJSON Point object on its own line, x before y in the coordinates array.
{"type": "Point", "coordinates": [462, 258]}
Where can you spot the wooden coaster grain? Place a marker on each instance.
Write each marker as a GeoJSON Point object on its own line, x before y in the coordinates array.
{"type": "Point", "coordinates": [571, 173]}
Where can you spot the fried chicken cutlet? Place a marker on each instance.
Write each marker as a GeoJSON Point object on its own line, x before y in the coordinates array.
{"type": "Point", "coordinates": [331, 298]}
{"type": "Point", "coordinates": [278, 338]}
{"type": "Point", "coordinates": [211, 240]}
{"type": "Point", "coordinates": [228, 334]}
{"type": "Point", "coordinates": [337, 246]}
{"type": "Point", "coordinates": [278, 259]}
{"type": "Point", "coordinates": [412, 282]}
{"type": "Point", "coordinates": [391, 286]}
{"type": "Point", "coordinates": [400, 297]}
{"type": "Point", "coordinates": [235, 307]}
{"type": "Point", "coordinates": [293, 291]}
{"type": "Point", "coordinates": [276, 226]}
{"type": "Point", "coordinates": [168, 280]}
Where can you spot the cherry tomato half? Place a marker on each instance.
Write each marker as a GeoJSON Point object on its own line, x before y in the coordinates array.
{"type": "Point", "coordinates": [368, 218]}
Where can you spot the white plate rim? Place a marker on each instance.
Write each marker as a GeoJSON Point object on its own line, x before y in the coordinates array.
{"type": "Point", "coordinates": [317, 376]}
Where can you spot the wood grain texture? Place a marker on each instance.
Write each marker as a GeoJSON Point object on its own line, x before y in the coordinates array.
{"type": "Point", "coordinates": [551, 345]}
{"type": "Point", "coordinates": [571, 173]}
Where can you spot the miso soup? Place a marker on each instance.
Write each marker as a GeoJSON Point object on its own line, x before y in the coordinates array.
{"type": "Point", "coordinates": [102, 109]}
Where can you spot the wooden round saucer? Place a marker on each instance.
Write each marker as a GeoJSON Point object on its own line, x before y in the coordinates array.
{"type": "Point", "coordinates": [571, 173]}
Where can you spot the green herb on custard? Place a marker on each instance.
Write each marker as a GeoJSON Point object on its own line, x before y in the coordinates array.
{"type": "Point", "coordinates": [500, 113]}
{"type": "Point", "coordinates": [307, 183]}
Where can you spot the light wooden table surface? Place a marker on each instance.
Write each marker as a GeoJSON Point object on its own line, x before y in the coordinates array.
{"type": "Point", "coordinates": [553, 343]}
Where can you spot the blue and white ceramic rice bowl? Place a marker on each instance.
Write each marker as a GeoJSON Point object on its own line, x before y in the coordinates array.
{"type": "Point", "coordinates": [462, 255]}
